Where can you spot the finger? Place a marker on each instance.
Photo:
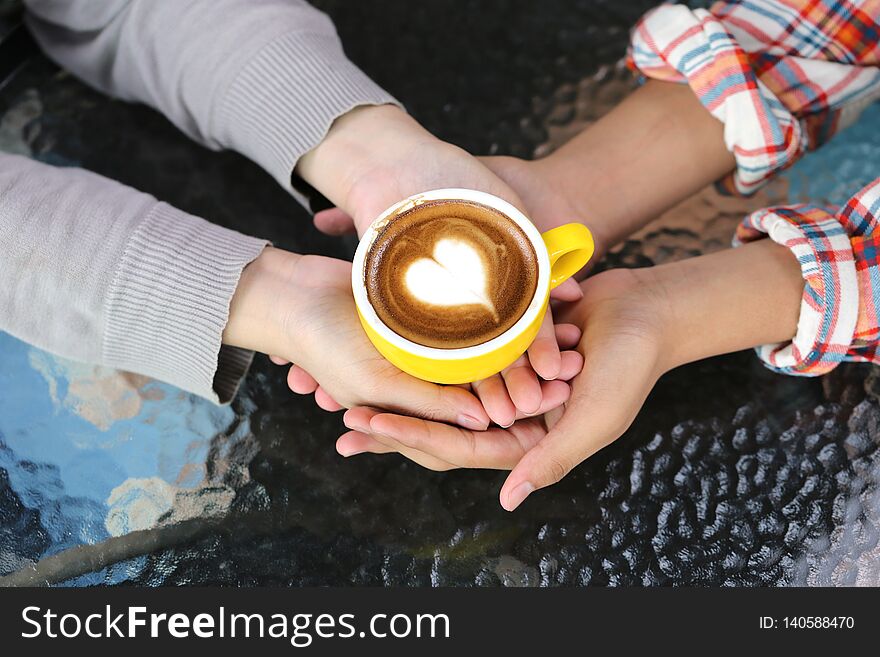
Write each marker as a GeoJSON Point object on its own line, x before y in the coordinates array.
{"type": "Point", "coordinates": [278, 360]}
{"type": "Point", "coordinates": [334, 222]}
{"type": "Point", "coordinates": [358, 418]}
{"type": "Point", "coordinates": [325, 401]}
{"type": "Point", "coordinates": [567, 335]}
{"type": "Point", "coordinates": [544, 351]}
{"type": "Point", "coordinates": [599, 411]}
{"type": "Point", "coordinates": [553, 395]}
{"type": "Point", "coordinates": [452, 404]}
{"type": "Point", "coordinates": [616, 379]}
{"type": "Point", "coordinates": [523, 386]}
{"type": "Point", "coordinates": [568, 290]}
{"type": "Point", "coordinates": [492, 392]}
{"type": "Point", "coordinates": [419, 458]}
{"type": "Point", "coordinates": [495, 448]}
{"type": "Point", "coordinates": [356, 442]}
{"type": "Point", "coordinates": [548, 462]}
{"type": "Point", "coordinates": [572, 364]}
{"type": "Point", "coordinates": [300, 381]}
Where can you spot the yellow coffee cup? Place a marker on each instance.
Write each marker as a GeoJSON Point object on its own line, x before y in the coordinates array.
{"type": "Point", "coordinates": [561, 252]}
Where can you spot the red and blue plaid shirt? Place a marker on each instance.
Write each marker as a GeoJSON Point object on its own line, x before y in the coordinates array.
{"type": "Point", "coordinates": [784, 76]}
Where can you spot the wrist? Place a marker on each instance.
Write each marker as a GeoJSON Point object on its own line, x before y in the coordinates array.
{"type": "Point", "coordinates": [661, 293]}
{"type": "Point", "coordinates": [634, 304]}
{"type": "Point", "coordinates": [653, 301]}
{"type": "Point", "coordinates": [358, 148]}
{"type": "Point", "coordinates": [581, 192]}
{"type": "Point", "coordinates": [255, 315]}
{"type": "Point", "coordinates": [727, 301]}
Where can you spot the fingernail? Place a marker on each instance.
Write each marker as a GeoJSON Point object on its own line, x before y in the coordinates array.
{"type": "Point", "coordinates": [555, 376]}
{"type": "Point", "coordinates": [354, 425]}
{"type": "Point", "coordinates": [508, 425]}
{"type": "Point", "coordinates": [347, 453]}
{"type": "Point", "coordinates": [472, 423]}
{"type": "Point", "coordinates": [518, 494]}
{"type": "Point", "coordinates": [531, 413]}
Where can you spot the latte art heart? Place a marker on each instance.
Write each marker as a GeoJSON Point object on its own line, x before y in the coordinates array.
{"type": "Point", "coordinates": [450, 274]}
{"type": "Point", "coordinates": [455, 275]}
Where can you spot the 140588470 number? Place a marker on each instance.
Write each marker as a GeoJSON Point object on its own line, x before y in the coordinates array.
{"type": "Point", "coordinates": [818, 622]}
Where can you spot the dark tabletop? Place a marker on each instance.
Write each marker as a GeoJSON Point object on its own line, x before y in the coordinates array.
{"type": "Point", "coordinates": [730, 475]}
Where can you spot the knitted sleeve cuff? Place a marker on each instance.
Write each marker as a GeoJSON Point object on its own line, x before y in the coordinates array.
{"type": "Point", "coordinates": [284, 101]}
{"type": "Point", "coordinates": [168, 303]}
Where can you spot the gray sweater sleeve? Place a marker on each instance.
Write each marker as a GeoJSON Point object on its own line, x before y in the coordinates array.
{"type": "Point", "coordinates": [98, 272]}
{"type": "Point", "coordinates": [263, 77]}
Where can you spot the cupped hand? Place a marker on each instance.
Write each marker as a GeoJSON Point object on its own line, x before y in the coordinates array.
{"type": "Point", "coordinates": [302, 309]}
{"type": "Point", "coordinates": [511, 394]}
{"type": "Point", "coordinates": [374, 157]}
{"type": "Point", "coordinates": [623, 340]}
{"type": "Point", "coordinates": [506, 397]}
{"type": "Point", "coordinates": [548, 204]}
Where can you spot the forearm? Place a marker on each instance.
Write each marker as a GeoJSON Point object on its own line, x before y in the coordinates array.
{"type": "Point", "coordinates": [98, 272]}
{"type": "Point", "coordinates": [727, 301]}
{"type": "Point", "coordinates": [657, 147]}
{"type": "Point", "coordinates": [804, 293]}
{"type": "Point", "coordinates": [264, 78]}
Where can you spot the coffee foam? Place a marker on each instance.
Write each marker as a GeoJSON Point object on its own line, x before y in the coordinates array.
{"type": "Point", "coordinates": [450, 274]}
{"type": "Point", "coordinates": [454, 275]}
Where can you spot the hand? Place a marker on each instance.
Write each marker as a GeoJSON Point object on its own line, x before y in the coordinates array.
{"type": "Point", "coordinates": [623, 319]}
{"type": "Point", "coordinates": [660, 140]}
{"type": "Point", "coordinates": [302, 308]}
{"type": "Point", "coordinates": [549, 202]}
{"type": "Point", "coordinates": [375, 156]}
{"type": "Point", "coordinates": [637, 324]}
{"type": "Point", "coordinates": [504, 396]}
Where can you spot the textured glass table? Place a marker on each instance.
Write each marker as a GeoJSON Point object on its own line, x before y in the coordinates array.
{"type": "Point", "coordinates": [731, 475]}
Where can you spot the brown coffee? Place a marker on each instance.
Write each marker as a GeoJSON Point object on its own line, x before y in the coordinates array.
{"type": "Point", "coordinates": [450, 274]}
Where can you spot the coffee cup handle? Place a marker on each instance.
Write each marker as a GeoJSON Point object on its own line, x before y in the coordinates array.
{"type": "Point", "coordinates": [570, 247]}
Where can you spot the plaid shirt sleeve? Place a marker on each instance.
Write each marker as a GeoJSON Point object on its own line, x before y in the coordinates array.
{"type": "Point", "coordinates": [839, 255]}
{"type": "Point", "coordinates": [782, 75]}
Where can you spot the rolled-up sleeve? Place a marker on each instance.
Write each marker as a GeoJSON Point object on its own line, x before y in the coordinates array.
{"type": "Point", "coordinates": [783, 77]}
{"type": "Point", "coordinates": [839, 255]}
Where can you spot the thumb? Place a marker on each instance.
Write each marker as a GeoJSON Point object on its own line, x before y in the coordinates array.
{"type": "Point", "coordinates": [334, 221]}
{"type": "Point", "coordinates": [564, 447]}
{"type": "Point", "coordinates": [591, 421]}
{"type": "Point", "coordinates": [568, 290]}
